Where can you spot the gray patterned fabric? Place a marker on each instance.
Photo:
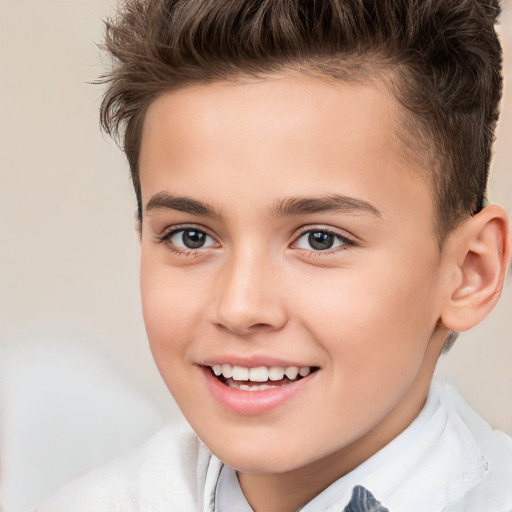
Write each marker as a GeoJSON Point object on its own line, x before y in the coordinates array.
{"type": "Point", "coordinates": [363, 501]}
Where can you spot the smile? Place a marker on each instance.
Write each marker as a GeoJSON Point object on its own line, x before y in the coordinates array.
{"type": "Point", "coordinates": [255, 390]}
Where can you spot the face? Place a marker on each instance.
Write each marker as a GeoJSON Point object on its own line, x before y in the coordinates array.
{"type": "Point", "coordinates": [288, 247]}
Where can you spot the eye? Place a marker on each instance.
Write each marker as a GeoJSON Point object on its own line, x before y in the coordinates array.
{"type": "Point", "coordinates": [321, 240]}
{"type": "Point", "coordinates": [190, 239]}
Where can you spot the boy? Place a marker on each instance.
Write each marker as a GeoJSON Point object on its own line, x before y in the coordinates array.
{"type": "Point", "coordinates": [310, 179]}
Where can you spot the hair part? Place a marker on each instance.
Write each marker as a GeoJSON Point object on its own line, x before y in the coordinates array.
{"type": "Point", "coordinates": [440, 58]}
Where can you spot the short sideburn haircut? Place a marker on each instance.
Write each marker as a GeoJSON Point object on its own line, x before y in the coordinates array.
{"type": "Point", "coordinates": [444, 58]}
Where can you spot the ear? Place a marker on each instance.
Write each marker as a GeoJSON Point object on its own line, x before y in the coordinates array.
{"type": "Point", "coordinates": [479, 255]}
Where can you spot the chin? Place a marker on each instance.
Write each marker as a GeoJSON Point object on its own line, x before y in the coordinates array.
{"type": "Point", "coordinates": [263, 458]}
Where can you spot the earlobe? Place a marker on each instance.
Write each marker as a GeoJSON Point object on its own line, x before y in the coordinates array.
{"type": "Point", "coordinates": [481, 254]}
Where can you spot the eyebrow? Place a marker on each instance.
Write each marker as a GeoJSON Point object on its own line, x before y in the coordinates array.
{"type": "Point", "coordinates": [287, 206]}
{"type": "Point", "coordinates": [165, 201]}
{"type": "Point", "coordinates": [328, 203]}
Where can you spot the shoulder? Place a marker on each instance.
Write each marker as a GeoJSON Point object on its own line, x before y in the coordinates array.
{"type": "Point", "coordinates": [170, 468]}
{"type": "Point", "coordinates": [494, 491]}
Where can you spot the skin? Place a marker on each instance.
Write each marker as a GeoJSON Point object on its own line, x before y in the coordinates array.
{"type": "Point", "coordinates": [372, 313]}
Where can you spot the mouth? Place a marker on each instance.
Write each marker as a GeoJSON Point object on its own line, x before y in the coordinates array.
{"type": "Point", "coordinates": [259, 378]}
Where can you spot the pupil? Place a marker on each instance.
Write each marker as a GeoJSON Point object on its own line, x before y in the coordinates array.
{"type": "Point", "coordinates": [320, 240]}
{"type": "Point", "coordinates": [193, 239]}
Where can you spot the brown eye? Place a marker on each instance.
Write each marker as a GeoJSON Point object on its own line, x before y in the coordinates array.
{"type": "Point", "coordinates": [191, 239]}
{"type": "Point", "coordinates": [318, 240]}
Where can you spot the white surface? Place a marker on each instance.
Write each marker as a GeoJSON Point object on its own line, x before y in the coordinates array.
{"type": "Point", "coordinates": [66, 407]}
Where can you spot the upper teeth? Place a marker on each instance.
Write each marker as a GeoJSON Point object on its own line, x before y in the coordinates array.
{"type": "Point", "coordinates": [260, 373]}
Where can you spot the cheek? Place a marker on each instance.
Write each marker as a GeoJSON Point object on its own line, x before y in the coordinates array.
{"type": "Point", "coordinates": [375, 314]}
{"type": "Point", "coordinates": [170, 305]}
{"type": "Point", "coordinates": [170, 314]}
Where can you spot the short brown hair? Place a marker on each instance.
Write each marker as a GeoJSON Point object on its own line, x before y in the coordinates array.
{"type": "Point", "coordinates": [444, 55]}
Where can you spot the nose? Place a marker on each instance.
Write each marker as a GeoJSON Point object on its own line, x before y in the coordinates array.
{"type": "Point", "coordinates": [248, 295]}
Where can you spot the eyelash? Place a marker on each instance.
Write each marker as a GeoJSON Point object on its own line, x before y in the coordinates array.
{"type": "Point", "coordinates": [345, 242]}
{"type": "Point", "coordinates": [166, 237]}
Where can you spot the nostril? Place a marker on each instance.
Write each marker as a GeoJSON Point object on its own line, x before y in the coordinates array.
{"type": "Point", "coordinates": [259, 326]}
{"type": "Point", "coordinates": [245, 329]}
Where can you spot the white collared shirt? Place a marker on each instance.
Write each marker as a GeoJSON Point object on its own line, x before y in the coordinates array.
{"type": "Point", "coordinates": [449, 459]}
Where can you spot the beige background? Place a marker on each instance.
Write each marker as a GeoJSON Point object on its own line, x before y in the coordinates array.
{"type": "Point", "coordinates": [68, 253]}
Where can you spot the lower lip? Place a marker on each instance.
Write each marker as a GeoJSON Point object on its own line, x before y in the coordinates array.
{"type": "Point", "coordinates": [252, 403]}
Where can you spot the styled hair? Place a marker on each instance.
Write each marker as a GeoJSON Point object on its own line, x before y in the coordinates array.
{"type": "Point", "coordinates": [440, 58]}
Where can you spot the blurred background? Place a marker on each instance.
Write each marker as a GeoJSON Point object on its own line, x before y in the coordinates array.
{"type": "Point", "coordinates": [77, 382]}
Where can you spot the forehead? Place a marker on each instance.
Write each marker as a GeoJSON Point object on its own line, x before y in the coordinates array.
{"type": "Point", "coordinates": [280, 135]}
{"type": "Point", "coordinates": [279, 106]}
